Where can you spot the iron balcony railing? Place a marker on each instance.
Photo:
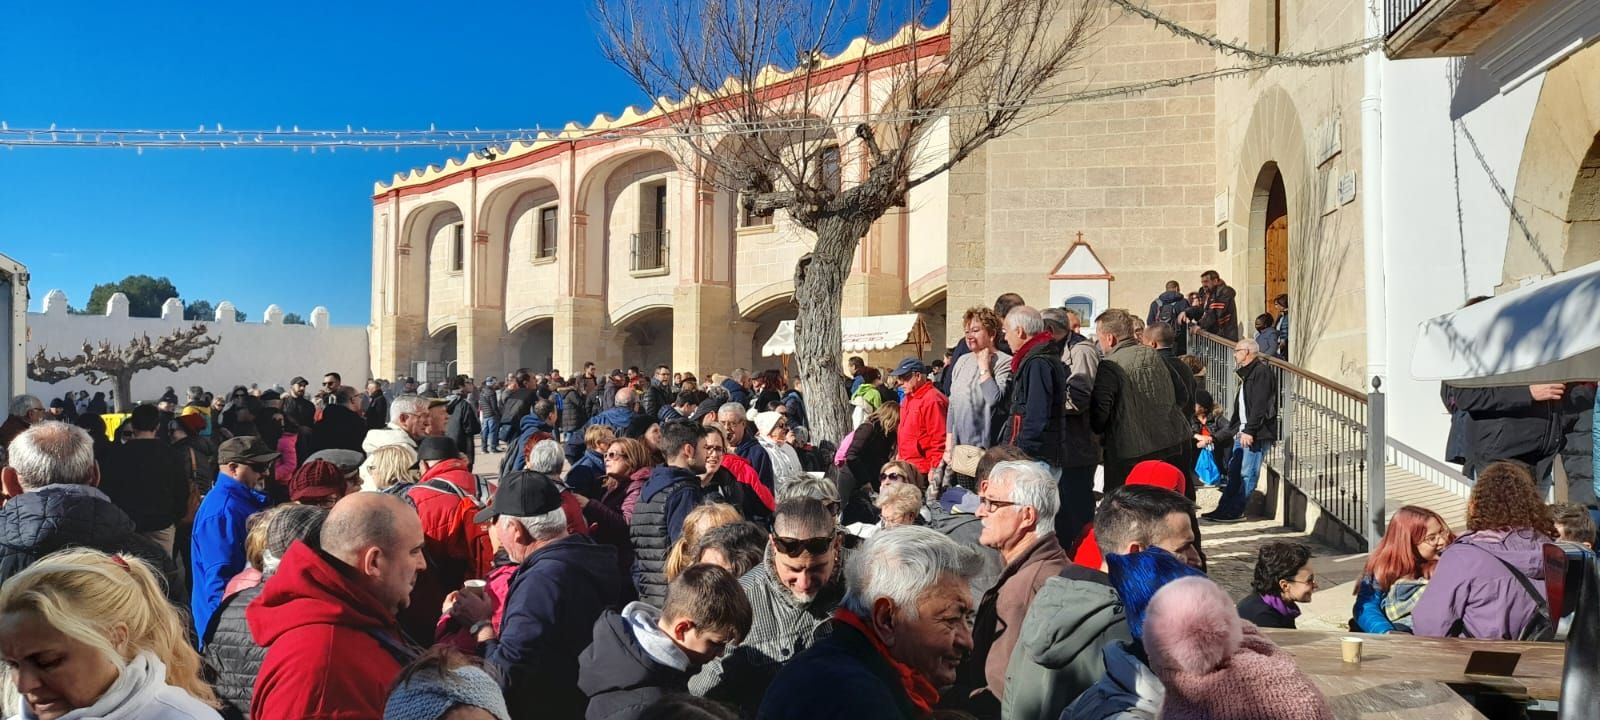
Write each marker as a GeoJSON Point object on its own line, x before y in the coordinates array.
{"type": "Point", "coordinates": [1397, 12]}
{"type": "Point", "coordinates": [649, 250]}
{"type": "Point", "coordinates": [1323, 434]}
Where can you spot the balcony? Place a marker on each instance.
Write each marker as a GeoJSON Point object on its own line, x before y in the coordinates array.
{"type": "Point", "coordinates": [649, 255]}
{"type": "Point", "coordinates": [1444, 28]}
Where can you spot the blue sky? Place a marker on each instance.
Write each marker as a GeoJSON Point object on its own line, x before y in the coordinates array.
{"type": "Point", "coordinates": [261, 226]}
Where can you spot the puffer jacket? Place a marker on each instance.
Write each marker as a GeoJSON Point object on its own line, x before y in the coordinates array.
{"type": "Point", "coordinates": [657, 523]}
{"type": "Point", "coordinates": [781, 629]}
{"type": "Point", "coordinates": [447, 525]}
{"type": "Point", "coordinates": [630, 665]}
{"type": "Point", "coordinates": [56, 517]}
{"type": "Point", "coordinates": [1058, 655]}
{"type": "Point", "coordinates": [232, 657]}
{"type": "Point", "coordinates": [920, 437]}
{"type": "Point", "coordinates": [1132, 404]}
{"type": "Point", "coordinates": [1129, 689]}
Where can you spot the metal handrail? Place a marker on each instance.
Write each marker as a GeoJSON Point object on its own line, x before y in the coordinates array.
{"type": "Point", "coordinates": [650, 249]}
{"type": "Point", "coordinates": [1285, 366]}
{"type": "Point", "coordinates": [1397, 12]}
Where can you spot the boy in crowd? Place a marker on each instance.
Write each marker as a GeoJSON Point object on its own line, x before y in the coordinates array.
{"type": "Point", "coordinates": [644, 654]}
{"type": "Point", "coordinates": [1575, 526]}
{"type": "Point", "coordinates": [1266, 336]}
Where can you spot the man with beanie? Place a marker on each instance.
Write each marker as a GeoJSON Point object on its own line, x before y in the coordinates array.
{"type": "Point", "coordinates": [441, 684]}
{"type": "Point", "coordinates": [232, 655]}
{"type": "Point", "coordinates": [327, 617]}
{"type": "Point", "coordinates": [565, 581]}
{"type": "Point", "coordinates": [445, 499]}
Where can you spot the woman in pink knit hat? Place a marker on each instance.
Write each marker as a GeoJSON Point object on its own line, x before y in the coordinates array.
{"type": "Point", "coordinates": [1216, 666]}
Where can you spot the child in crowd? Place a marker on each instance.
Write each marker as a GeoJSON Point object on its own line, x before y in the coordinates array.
{"type": "Point", "coordinates": [1575, 526]}
{"type": "Point", "coordinates": [1266, 335]}
{"type": "Point", "coordinates": [644, 654]}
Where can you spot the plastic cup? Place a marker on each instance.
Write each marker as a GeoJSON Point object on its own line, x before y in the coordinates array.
{"type": "Point", "coordinates": [474, 587]}
{"type": "Point", "coordinates": [1350, 649]}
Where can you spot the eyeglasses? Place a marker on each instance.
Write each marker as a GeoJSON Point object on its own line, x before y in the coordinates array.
{"type": "Point", "coordinates": [991, 504]}
{"type": "Point", "coordinates": [797, 547]}
{"type": "Point", "coordinates": [614, 455]}
{"type": "Point", "coordinates": [718, 449]}
{"type": "Point", "coordinates": [1436, 538]}
{"type": "Point", "coordinates": [1310, 580]}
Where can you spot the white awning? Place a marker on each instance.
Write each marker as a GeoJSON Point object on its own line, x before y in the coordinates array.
{"type": "Point", "coordinates": [861, 334]}
{"type": "Point", "coordinates": [1546, 332]}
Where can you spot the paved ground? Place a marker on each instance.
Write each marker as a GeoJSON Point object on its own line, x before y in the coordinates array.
{"type": "Point", "coordinates": [1231, 553]}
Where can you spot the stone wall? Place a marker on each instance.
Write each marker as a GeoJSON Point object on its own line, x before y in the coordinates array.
{"type": "Point", "coordinates": [266, 353]}
{"type": "Point", "coordinates": [1133, 173]}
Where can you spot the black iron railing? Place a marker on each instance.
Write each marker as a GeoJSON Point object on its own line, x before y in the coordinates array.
{"type": "Point", "coordinates": [1322, 430]}
{"type": "Point", "coordinates": [1397, 12]}
{"type": "Point", "coordinates": [649, 250]}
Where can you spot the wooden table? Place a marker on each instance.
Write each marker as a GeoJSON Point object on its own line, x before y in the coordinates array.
{"type": "Point", "coordinates": [1408, 676]}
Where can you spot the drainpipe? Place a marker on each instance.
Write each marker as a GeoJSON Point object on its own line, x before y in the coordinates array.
{"type": "Point", "coordinates": [1373, 252]}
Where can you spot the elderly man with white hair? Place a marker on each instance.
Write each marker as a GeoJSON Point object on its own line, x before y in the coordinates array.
{"type": "Point", "coordinates": [25, 412]}
{"type": "Point", "coordinates": [563, 585]}
{"type": "Point", "coordinates": [408, 423]}
{"type": "Point", "coordinates": [734, 420]}
{"type": "Point", "coordinates": [898, 637]}
{"type": "Point", "coordinates": [1017, 505]}
{"type": "Point", "coordinates": [1254, 428]}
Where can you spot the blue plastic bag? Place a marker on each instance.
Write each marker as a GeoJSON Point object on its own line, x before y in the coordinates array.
{"type": "Point", "coordinates": [1205, 467]}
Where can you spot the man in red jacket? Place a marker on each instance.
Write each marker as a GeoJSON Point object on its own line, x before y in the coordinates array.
{"type": "Point", "coordinates": [921, 436]}
{"type": "Point", "coordinates": [327, 618]}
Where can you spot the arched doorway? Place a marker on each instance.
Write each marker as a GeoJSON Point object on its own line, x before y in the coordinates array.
{"type": "Point", "coordinates": [437, 357]}
{"type": "Point", "coordinates": [1583, 213]}
{"type": "Point", "coordinates": [1270, 208]}
{"type": "Point", "coordinates": [766, 322]}
{"type": "Point", "coordinates": [532, 346]}
{"type": "Point", "coordinates": [647, 339]}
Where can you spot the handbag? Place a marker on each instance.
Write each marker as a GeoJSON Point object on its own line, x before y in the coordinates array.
{"type": "Point", "coordinates": [1205, 467]}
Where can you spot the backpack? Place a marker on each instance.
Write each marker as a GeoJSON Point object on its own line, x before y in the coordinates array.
{"type": "Point", "coordinates": [480, 553]}
{"type": "Point", "coordinates": [1168, 313]}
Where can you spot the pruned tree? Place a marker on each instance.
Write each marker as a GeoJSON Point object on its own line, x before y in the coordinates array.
{"type": "Point", "coordinates": [792, 147]}
{"type": "Point", "coordinates": [107, 363]}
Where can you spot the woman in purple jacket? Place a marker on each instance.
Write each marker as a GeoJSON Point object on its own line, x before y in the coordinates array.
{"type": "Point", "coordinates": [1490, 583]}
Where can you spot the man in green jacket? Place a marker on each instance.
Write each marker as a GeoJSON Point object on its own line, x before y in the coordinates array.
{"type": "Point", "coordinates": [1133, 406]}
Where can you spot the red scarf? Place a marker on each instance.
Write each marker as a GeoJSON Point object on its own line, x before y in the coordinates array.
{"type": "Point", "coordinates": [919, 689]}
{"type": "Point", "coordinates": [1033, 342]}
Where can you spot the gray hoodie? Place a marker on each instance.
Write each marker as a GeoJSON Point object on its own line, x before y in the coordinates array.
{"type": "Point", "coordinates": [1059, 654]}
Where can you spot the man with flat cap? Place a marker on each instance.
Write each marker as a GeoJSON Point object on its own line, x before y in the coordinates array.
{"type": "Point", "coordinates": [216, 548]}
{"type": "Point", "coordinates": [562, 585]}
{"type": "Point", "coordinates": [921, 437]}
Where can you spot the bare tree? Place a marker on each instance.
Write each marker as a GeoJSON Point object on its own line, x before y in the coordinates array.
{"type": "Point", "coordinates": [785, 142]}
{"type": "Point", "coordinates": [105, 362]}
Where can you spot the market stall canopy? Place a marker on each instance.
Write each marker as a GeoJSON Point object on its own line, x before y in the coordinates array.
{"type": "Point", "coordinates": [1546, 332]}
{"type": "Point", "coordinates": [861, 334]}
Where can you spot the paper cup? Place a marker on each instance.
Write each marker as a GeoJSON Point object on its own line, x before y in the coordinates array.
{"type": "Point", "coordinates": [474, 587]}
{"type": "Point", "coordinates": [1350, 649]}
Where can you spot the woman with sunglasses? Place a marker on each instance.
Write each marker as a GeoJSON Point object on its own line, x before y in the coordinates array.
{"type": "Point", "coordinates": [1397, 574]}
{"type": "Point", "coordinates": [628, 463]}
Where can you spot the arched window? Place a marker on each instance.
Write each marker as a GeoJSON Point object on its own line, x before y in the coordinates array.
{"type": "Point", "coordinates": [1083, 306]}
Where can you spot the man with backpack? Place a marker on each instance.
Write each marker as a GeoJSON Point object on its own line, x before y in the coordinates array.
{"type": "Point", "coordinates": [1166, 308]}
{"type": "Point", "coordinates": [457, 548]}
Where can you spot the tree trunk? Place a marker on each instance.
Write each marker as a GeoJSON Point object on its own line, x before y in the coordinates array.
{"type": "Point", "coordinates": [124, 383]}
{"type": "Point", "coordinates": [818, 337]}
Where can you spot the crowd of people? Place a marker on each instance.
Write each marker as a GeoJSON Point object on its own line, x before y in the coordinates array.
{"type": "Point", "coordinates": [674, 546]}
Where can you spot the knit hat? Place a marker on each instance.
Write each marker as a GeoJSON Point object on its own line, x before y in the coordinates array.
{"type": "Point", "coordinates": [429, 695]}
{"type": "Point", "coordinates": [192, 422]}
{"type": "Point", "coordinates": [766, 421]}
{"type": "Point", "coordinates": [1217, 666]}
{"type": "Point", "coordinates": [315, 480]}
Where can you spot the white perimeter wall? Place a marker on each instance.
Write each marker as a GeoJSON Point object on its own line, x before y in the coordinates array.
{"type": "Point", "coordinates": [1444, 238]}
{"type": "Point", "coordinates": [266, 353]}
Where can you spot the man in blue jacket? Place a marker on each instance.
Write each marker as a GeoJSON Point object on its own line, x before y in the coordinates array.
{"type": "Point", "coordinates": [216, 545]}
{"type": "Point", "coordinates": [562, 585]}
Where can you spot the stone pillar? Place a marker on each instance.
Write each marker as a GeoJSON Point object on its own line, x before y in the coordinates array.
{"type": "Point", "coordinates": [582, 333]}
{"type": "Point", "coordinates": [745, 354]}
{"type": "Point", "coordinates": [701, 341]}
{"type": "Point", "coordinates": [480, 334]}
{"type": "Point", "coordinates": [399, 341]}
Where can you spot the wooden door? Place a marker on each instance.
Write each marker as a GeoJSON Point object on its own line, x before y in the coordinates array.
{"type": "Point", "coordinates": [1277, 265]}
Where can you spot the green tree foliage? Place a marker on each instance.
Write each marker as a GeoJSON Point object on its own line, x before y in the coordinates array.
{"type": "Point", "coordinates": [293, 319]}
{"type": "Point", "coordinates": [199, 310]}
{"type": "Point", "coordinates": [145, 295]}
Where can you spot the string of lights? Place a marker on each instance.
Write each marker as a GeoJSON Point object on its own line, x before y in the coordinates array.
{"type": "Point", "coordinates": [1336, 55]}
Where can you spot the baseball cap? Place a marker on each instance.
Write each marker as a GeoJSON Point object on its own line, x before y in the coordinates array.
{"type": "Point", "coordinates": [522, 493]}
{"type": "Point", "coordinates": [298, 380]}
{"type": "Point", "coordinates": [437, 448]}
{"type": "Point", "coordinates": [245, 449]}
{"type": "Point", "coordinates": [908, 366]}
{"type": "Point", "coordinates": [316, 479]}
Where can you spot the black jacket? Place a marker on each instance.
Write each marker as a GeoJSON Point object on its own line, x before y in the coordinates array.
{"type": "Point", "coordinates": [339, 429]}
{"type": "Point", "coordinates": [841, 676]}
{"type": "Point", "coordinates": [300, 409]}
{"type": "Point", "coordinates": [1505, 423]}
{"type": "Point", "coordinates": [870, 449]}
{"type": "Point", "coordinates": [56, 517]}
{"type": "Point", "coordinates": [489, 402]}
{"type": "Point", "coordinates": [551, 606]}
{"type": "Point", "coordinates": [1253, 609]}
{"type": "Point", "coordinates": [517, 405]}
{"type": "Point", "coordinates": [377, 416]}
{"type": "Point", "coordinates": [1260, 385]}
{"type": "Point", "coordinates": [655, 397]}
{"type": "Point", "coordinates": [620, 678]}
{"type": "Point", "coordinates": [574, 410]}
{"type": "Point", "coordinates": [1037, 402]}
{"type": "Point", "coordinates": [146, 478]}
{"type": "Point", "coordinates": [1221, 314]}
{"type": "Point", "coordinates": [463, 424]}
{"type": "Point", "coordinates": [232, 657]}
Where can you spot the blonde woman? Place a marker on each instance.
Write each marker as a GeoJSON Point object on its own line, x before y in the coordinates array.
{"type": "Point", "coordinates": [388, 467]}
{"type": "Point", "coordinates": [92, 635]}
{"type": "Point", "coordinates": [696, 524]}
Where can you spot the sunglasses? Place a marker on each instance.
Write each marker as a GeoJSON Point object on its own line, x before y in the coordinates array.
{"type": "Point", "coordinates": [613, 455]}
{"type": "Point", "coordinates": [796, 547]}
{"type": "Point", "coordinates": [892, 476]}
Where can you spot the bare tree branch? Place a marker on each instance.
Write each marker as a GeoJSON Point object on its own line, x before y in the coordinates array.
{"type": "Point", "coordinates": [118, 364]}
